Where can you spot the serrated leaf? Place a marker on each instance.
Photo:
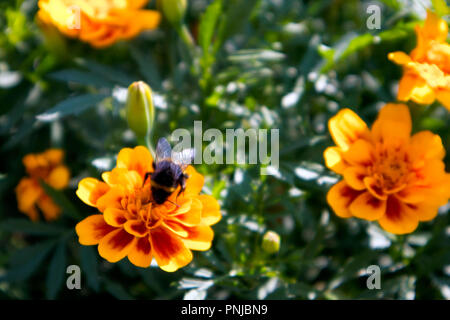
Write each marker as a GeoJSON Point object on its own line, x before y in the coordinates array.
{"type": "Point", "coordinates": [85, 78]}
{"type": "Point", "coordinates": [29, 227]}
{"type": "Point", "coordinates": [71, 106]}
{"type": "Point", "coordinates": [26, 261]}
{"type": "Point", "coordinates": [89, 264]}
{"type": "Point", "coordinates": [56, 272]}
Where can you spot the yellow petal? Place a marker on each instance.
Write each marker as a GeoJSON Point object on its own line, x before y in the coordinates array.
{"type": "Point", "coordinates": [90, 190]}
{"type": "Point", "coordinates": [210, 210]}
{"type": "Point", "coordinates": [138, 159]}
{"type": "Point", "coordinates": [199, 238]}
{"type": "Point", "coordinates": [334, 160]}
{"type": "Point", "coordinates": [346, 127]}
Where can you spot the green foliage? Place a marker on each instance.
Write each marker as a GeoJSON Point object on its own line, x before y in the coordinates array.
{"type": "Point", "coordinates": [288, 65]}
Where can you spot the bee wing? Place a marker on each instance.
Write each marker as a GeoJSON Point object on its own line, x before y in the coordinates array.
{"type": "Point", "coordinates": [183, 158]}
{"type": "Point", "coordinates": [163, 150]}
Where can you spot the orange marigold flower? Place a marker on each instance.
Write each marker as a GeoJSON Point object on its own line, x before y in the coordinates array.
{"type": "Point", "coordinates": [98, 22]}
{"type": "Point", "coordinates": [48, 167]}
{"type": "Point", "coordinates": [132, 225]}
{"type": "Point", "coordinates": [426, 74]}
{"type": "Point", "coordinates": [388, 175]}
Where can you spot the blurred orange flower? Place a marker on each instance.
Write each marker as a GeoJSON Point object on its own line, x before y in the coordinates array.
{"type": "Point", "coordinates": [388, 175]}
{"type": "Point", "coordinates": [48, 167]}
{"type": "Point", "coordinates": [426, 74]}
{"type": "Point", "coordinates": [98, 22]}
{"type": "Point", "coordinates": [132, 225]}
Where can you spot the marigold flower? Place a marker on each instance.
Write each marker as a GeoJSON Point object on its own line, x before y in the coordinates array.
{"type": "Point", "coordinates": [426, 74]}
{"type": "Point", "coordinates": [132, 225]}
{"type": "Point", "coordinates": [388, 175]}
{"type": "Point", "coordinates": [48, 167]}
{"type": "Point", "coordinates": [98, 22]}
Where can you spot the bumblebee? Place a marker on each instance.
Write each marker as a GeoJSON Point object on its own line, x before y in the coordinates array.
{"type": "Point", "coordinates": [168, 171]}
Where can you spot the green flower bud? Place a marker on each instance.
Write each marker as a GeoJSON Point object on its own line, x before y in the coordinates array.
{"type": "Point", "coordinates": [139, 108]}
{"type": "Point", "coordinates": [271, 242]}
{"type": "Point", "coordinates": [174, 10]}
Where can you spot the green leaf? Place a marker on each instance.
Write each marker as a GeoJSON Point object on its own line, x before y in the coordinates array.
{"type": "Point", "coordinates": [29, 227]}
{"type": "Point", "coordinates": [70, 106]}
{"type": "Point", "coordinates": [109, 73]}
{"type": "Point", "coordinates": [25, 262]}
{"type": "Point", "coordinates": [61, 200]}
{"type": "Point", "coordinates": [85, 78]}
{"type": "Point", "coordinates": [208, 23]}
{"type": "Point", "coordinates": [89, 264]}
{"type": "Point", "coordinates": [56, 271]}
{"type": "Point", "coordinates": [117, 291]}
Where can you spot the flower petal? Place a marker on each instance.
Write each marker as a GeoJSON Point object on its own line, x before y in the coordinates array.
{"type": "Point", "coordinates": [199, 238]}
{"type": "Point", "coordinates": [354, 176]}
{"type": "Point", "coordinates": [49, 208]}
{"type": "Point", "coordinates": [340, 196]}
{"type": "Point", "coordinates": [116, 245]}
{"type": "Point", "coordinates": [129, 180]}
{"type": "Point", "coordinates": [193, 216]}
{"type": "Point", "coordinates": [334, 160]}
{"type": "Point", "coordinates": [90, 190]}
{"type": "Point", "coordinates": [115, 217]}
{"type": "Point", "coordinates": [111, 199]}
{"type": "Point", "coordinates": [138, 159]}
{"type": "Point", "coordinates": [28, 192]}
{"type": "Point", "coordinates": [367, 207]}
{"type": "Point", "coordinates": [141, 253]}
{"type": "Point", "coordinates": [360, 153]}
{"type": "Point", "coordinates": [169, 251]}
{"type": "Point", "coordinates": [393, 125]}
{"type": "Point", "coordinates": [194, 183]}
{"type": "Point", "coordinates": [210, 211]}
{"type": "Point", "coordinates": [347, 127]}
{"type": "Point", "coordinates": [136, 227]}
{"type": "Point", "coordinates": [92, 229]}
{"type": "Point", "coordinates": [399, 218]}
{"type": "Point", "coordinates": [59, 177]}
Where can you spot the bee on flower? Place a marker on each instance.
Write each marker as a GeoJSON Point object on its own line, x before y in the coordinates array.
{"type": "Point", "coordinates": [46, 167]}
{"type": "Point", "coordinates": [426, 75]}
{"type": "Point", "coordinates": [389, 175]}
{"type": "Point", "coordinates": [133, 224]}
{"type": "Point", "coordinates": [98, 22]}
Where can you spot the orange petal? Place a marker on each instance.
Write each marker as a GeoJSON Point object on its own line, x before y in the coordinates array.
{"type": "Point", "coordinates": [360, 153]}
{"type": "Point", "coordinates": [92, 229]}
{"type": "Point", "coordinates": [435, 28]}
{"type": "Point", "coordinates": [176, 228]}
{"type": "Point", "coordinates": [111, 199]}
{"type": "Point", "coordinates": [194, 183]}
{"type": "Point", "coordinates": [129, 180]}
{"type": "Point", "coordinates": [28, 192]}
{"type": "Point", "coordinates": [141, 253]}
{"type": "Point", "coordinates": [340, 196]}
{"type": "Point", "coordinates": [425, 211]}
{"type": "Point", "coordinates": [54, 156]}
{"type": "Point", "coordinates": [425, 145]}
{"type": "Point", "coordinates": [354, 176]}
{"type": "Point", "coordinates": [138, 159]}
{"type": "Point", "coordinates": [211, 210]}
{"type": "Point", "coordinates": [116, 245]}
{"type": "Point", "coordinates": [199, 238]}
{"type": "Point", "coordinates": [115, 217]}
{"type": "Point", "coordinates": [399, 57]}
{"type": "Point", "coordinates": [399, 218]}
{"type": "Point", "coordinates": [393, 124]}
{"type": "Point", "coordinates": [346, 127]}
{"type": "Point", "coordinates": [136, 227]}
{"type": "Point", "coordinates": [59, 177]}
{"type": "Point", "coordinates": [367, 207]}
{"type": "Point", "coordinates": [334, 160]}
{"type": "Point", "coordinates": [169, 251]}
{"type": "Point", "coordinates": [49, 208]}
{"type": "Point", "coordinates": [90, 190]}
{"type": "Point", "coordinates": [443, 96]}
{"type": "Point", "coordinates": [372, 186]}
{"type": "Point", "coordinates": [193, 216]}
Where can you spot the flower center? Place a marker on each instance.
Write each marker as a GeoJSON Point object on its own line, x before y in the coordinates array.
{"type": "Point", "coordinates": [391, 169]}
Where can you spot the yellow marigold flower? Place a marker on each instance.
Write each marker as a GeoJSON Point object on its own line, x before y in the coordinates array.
{"type": "Point", "coordinates": [98, 22]}
{"type": "Point", "coordinates": [426, 74]}
{"type": "Point", "coordinates": [132, 225]}
{"type": "Point", "coordinates": [48, 167]}
{"type": "Point", "coordinates": [388, 175]}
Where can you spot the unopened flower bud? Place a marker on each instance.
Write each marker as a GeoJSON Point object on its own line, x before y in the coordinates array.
{"type": "Point", "coordinates": [174, 10]}
{"type": "Point", "coordinates": [271, 242]}
{"type": "Point", "coordinates": [139, 108]}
